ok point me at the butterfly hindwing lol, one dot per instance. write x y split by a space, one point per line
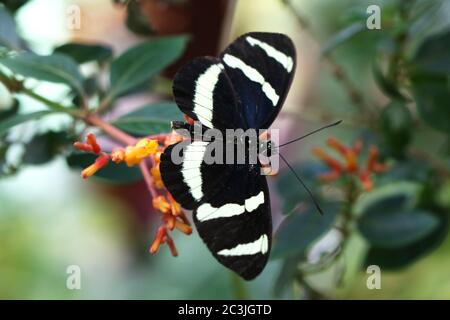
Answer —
236 223
191 180
261 67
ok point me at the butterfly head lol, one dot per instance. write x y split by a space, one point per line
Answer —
267 148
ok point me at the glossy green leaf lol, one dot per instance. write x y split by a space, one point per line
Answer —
55 68
84 52
395 194
10 122
389 217
113 173
137 65
150 119
395 228
433 54
300 229
432 95
396 258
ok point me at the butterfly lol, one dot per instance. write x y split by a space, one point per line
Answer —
244 88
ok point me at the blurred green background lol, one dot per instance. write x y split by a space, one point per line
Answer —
51 219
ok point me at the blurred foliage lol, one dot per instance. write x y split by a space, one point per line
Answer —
150 119
129 73
401 219
404 113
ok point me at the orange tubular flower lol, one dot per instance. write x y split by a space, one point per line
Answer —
90 145
162 236
351 165
161 204
99 163
143 149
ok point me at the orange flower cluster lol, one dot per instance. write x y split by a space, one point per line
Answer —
351 165
172 215
132 155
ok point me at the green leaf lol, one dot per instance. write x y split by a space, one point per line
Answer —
300 229
390 219
395 194
44 147
83 52
433 54
150 119
8 32
343 36
395 229
396 258
113 173
10 122
137 65
56 68
396 125
432 95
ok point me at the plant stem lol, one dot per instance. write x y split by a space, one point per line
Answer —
55 106
17 86
109 129
148 179
104 104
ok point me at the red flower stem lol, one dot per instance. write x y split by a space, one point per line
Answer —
159 137
148 179
112 131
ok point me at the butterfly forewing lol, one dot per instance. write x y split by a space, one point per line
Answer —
261 68
204 92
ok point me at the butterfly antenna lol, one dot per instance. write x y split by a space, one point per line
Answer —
316 203
308 134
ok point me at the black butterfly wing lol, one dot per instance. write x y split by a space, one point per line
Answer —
192 180
236 223
261 67
231 205
203 91
243 89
